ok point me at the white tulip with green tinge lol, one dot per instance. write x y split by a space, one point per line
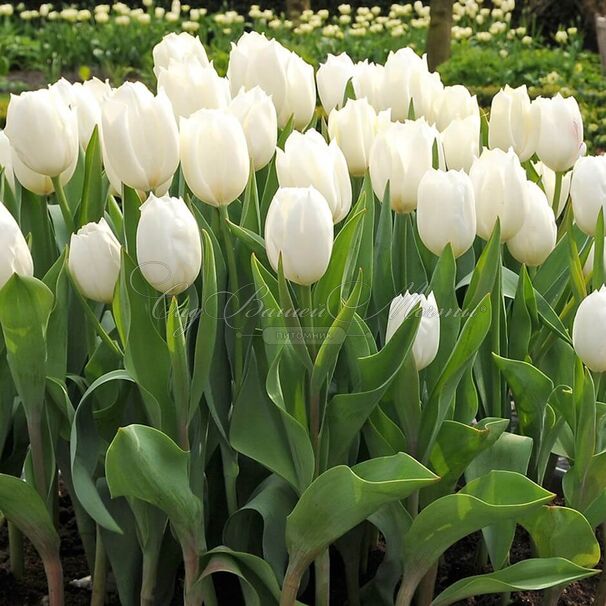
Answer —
588 192
15 257
589 330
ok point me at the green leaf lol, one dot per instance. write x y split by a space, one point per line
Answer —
92 204
529 575
251 240
383 289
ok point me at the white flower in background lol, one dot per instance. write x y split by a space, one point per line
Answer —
499 184
308 160
191 86
169 250
400 156
588 192
257 116
548 180
299 228
454 102
536 239
427 341
94 261
332 78
43 131
15 257
461 142
589 330
369 82
181 47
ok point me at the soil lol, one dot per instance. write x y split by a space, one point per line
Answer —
460 561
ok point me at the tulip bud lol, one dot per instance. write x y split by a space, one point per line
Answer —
588 267
461 141
499 184
425 88
6 160
557 130
589 330
548 179
168 244
454 102
182 47
257 61
588 191
308 160
536 239
401 155
43 131
354 128
140 137
332 78
446 212
426 343
400 67
369 82
299 228
214 156
94 261
257 116
15 257
510 122
191 86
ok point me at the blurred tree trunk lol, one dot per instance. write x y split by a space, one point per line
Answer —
438 35
294 8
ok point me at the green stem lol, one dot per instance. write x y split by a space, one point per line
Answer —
322 569
426 587
557 192
307 320
34 429
552 595
230 476
149 576
15 544
290 586
63 204
100 573
54 579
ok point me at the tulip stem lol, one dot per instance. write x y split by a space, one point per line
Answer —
234 287
99 573
555 203
15 544
63 204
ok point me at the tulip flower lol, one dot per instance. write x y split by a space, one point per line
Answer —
425 88
182 47
308 160
354 128
140 137
257 116
94 261
461 142
510 122
446 212
400 68
548 179
499 184
6 160
588 267
168 244
257 61
191 86
454 102
557 128
589 330
299 228
536 239
332 78
427 340
43 131
400 156
369 82
15 257
588 191
214 156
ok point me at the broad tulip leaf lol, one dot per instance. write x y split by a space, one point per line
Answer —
383 288
253 242
534 574
343 497
251 219
365 260
524 317
588 500
92 204
35 220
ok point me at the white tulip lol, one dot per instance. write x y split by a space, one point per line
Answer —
588 192
425 89
548 179
454 102
43 131
214 156
94 261
100 89
6 160
446 212
15 257
589 330
499 184
400 68
369 82
461 141
558 131
588 267
181 47
139 135
332 78
169 251
299 228
257 61
510 122
427 341
537 237
308 160
257 116
400 156
354 128
191 86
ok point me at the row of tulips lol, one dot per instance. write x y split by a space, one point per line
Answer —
248 337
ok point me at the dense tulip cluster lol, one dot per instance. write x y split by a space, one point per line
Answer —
347 297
